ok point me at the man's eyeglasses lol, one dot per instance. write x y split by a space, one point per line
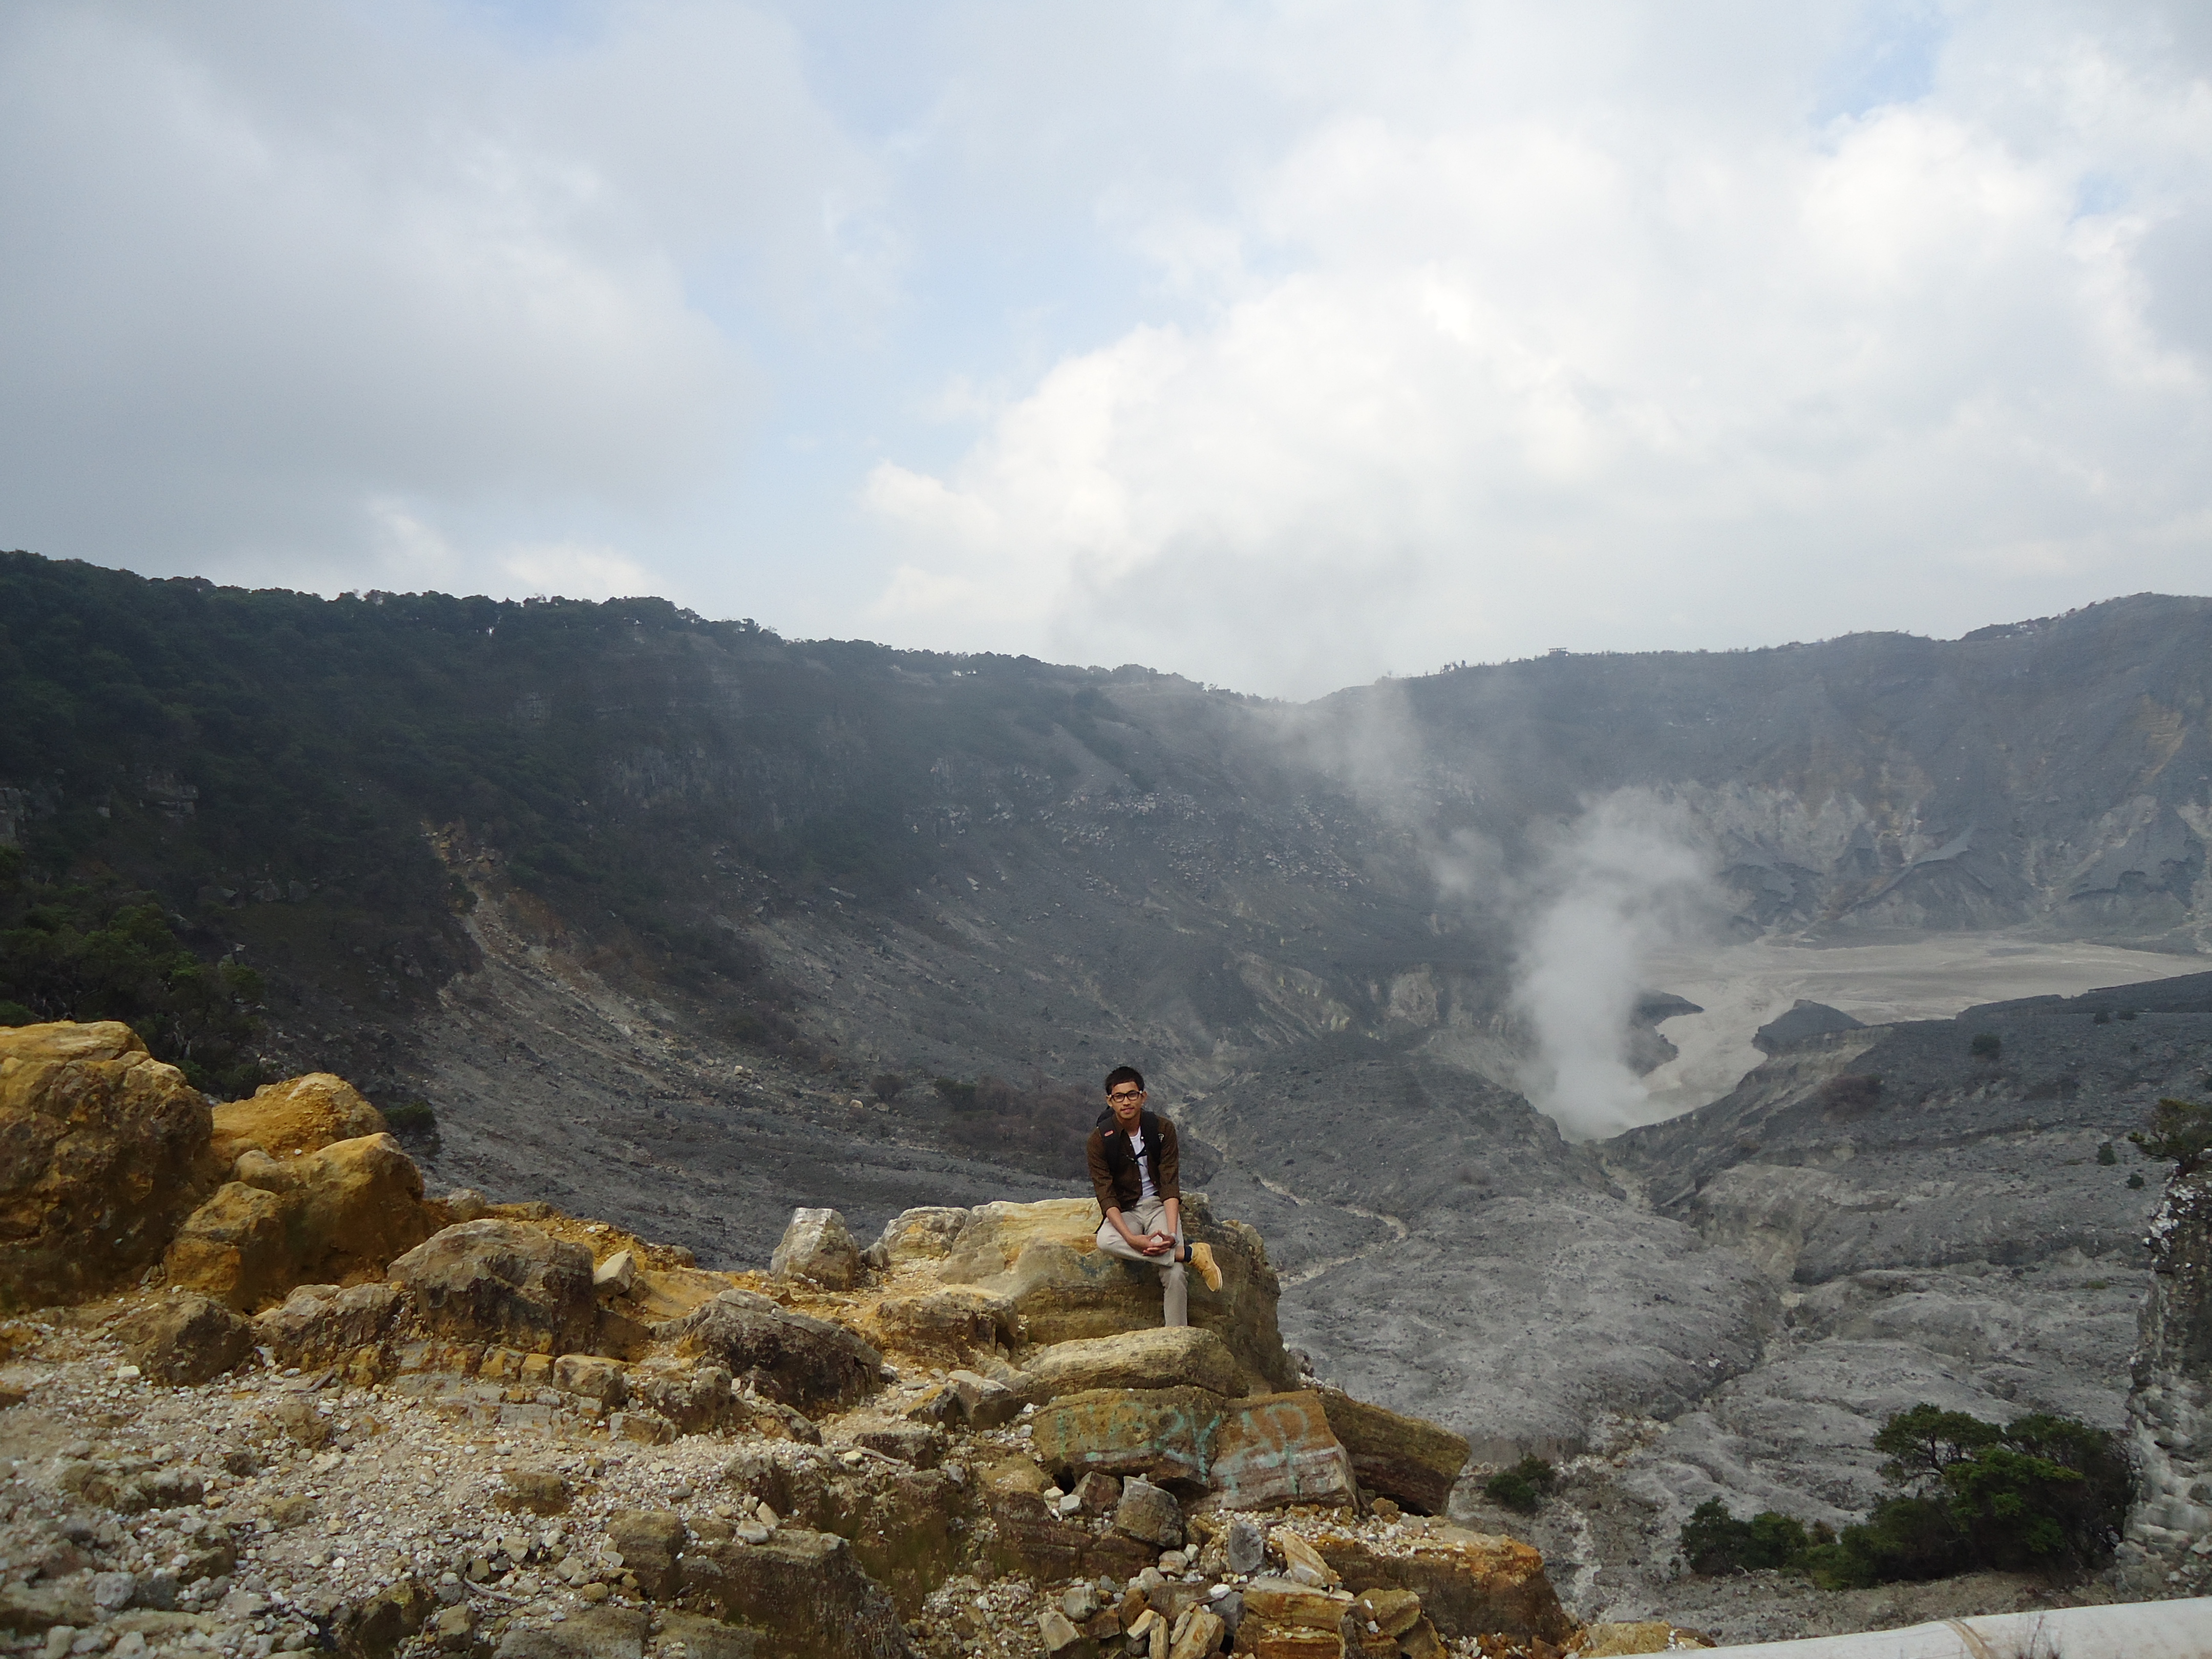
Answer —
1126 1094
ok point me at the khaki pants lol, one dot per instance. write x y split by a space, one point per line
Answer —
1145 1216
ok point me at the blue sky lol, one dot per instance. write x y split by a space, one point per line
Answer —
1280 345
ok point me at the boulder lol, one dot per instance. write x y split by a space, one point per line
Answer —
586 1633
103 1151
1247 1545
1406 1458
1254 1453
1148 1514
592 1377
185 1339
1285 1601
918 1236
686 1636
360 1203
377 1626
237 1247
788 1357
650 1542
504 1281
984 1402
803 1590
939 1324
1044 1259
1277 1448
322 1324
1392 1612
299 1115
1097 1494
1163 1357
340 1211
816 1247
1201 1636
465 1204
615 1275
34 1609
1058 1635
537 1491
1161 1434
1469 1584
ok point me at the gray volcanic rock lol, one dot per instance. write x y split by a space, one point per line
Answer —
1949 1235
1806 1019
1447 1253
2170 1407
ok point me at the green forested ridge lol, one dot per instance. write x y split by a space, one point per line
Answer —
262 768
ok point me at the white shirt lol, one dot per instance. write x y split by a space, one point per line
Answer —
1144 1170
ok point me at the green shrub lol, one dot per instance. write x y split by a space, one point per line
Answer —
2106 1154
1986 1045
413 1117
1714 1541
2135 1181
2042 1491
1523 1486
14 1013
2180 1134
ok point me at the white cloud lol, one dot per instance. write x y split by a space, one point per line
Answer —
1544 344
1280 343
271 266
578 571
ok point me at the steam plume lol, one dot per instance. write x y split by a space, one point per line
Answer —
1626 877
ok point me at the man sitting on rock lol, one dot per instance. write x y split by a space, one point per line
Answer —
1134 1157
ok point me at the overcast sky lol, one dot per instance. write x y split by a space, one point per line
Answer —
1280 345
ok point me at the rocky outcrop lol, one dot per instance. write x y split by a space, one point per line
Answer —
1253 1453
299 1115
504 1280
2170 1406
846 1528
1469 1583
1186 1356
103 1149
340 1211
1404 1458
789 1357
1042 1261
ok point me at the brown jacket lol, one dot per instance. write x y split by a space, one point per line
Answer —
1113 1167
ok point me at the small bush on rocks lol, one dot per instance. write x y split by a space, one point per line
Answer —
1986 1045
1714 1541
2180 1134
1523 1486
2041 1493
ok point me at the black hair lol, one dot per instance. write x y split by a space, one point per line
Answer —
1122 1074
